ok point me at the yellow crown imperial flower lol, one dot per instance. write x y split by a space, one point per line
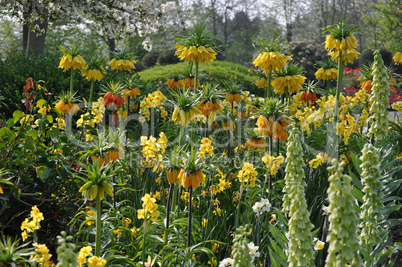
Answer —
397 58
327 74
288 84
341 41
199 54
267 61
93 74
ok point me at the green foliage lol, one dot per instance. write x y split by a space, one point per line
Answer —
12 254
218 71
17 68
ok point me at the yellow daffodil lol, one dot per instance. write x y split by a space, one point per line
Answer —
95 261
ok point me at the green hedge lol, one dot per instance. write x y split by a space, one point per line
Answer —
216 71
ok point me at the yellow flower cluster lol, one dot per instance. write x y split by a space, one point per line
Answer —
83 254
346 127
66 107
263 83
42 255
154 100
95 75
27 119
91 217
327 74
151 147
273 163
223 183
397 106
346 46
95 261
271 61
122 64
199 54
67 62
85 120
29 226
288 84
319 159
59 124
247 174
149 208
206 148
397 58
153 150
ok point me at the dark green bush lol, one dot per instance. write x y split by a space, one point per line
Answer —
367 56
307 55
216 71
150 59
17 68
168 57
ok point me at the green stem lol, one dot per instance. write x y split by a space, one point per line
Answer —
338 93
169 201
196 76
181 134
143 242
190 209
71 82
238 207
91 93
269 90
98 226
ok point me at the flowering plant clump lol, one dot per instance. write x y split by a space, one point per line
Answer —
260 207
71 59
342 42
42 255
149 208
288 80
30 226
248 174
122 61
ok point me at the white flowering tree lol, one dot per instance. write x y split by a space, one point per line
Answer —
114 17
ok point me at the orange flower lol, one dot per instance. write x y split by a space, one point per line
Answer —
131 92
111 100
257 143
309 96
192 179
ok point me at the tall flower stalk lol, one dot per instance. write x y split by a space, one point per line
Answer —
271 59
71 60
342 43
371 215
198 47
342 237
95 187
379 99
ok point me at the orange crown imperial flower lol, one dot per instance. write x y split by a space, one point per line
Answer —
193 179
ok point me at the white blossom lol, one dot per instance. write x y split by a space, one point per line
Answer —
260 207
253 250
228 262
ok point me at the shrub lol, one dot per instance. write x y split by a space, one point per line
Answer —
17 68
217 71
150 59
168 57
307 55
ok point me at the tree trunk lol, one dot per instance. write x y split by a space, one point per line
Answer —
111 42
289 32
25 32
36 43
